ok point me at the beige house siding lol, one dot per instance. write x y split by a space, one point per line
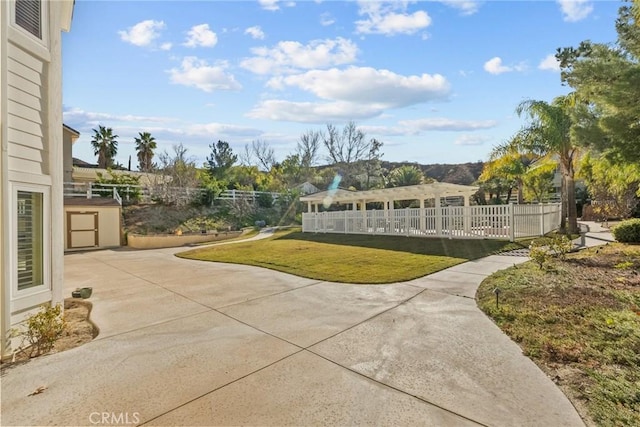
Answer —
27 146
31 157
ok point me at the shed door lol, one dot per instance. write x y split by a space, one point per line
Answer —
82 229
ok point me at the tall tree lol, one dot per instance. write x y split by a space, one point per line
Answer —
308 148
372 165
346 149
105 146
145 146
264 153
614 187
549 134
608 78
221 159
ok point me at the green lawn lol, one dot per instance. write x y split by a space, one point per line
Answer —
579 320
351 258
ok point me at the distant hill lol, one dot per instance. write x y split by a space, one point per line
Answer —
463 173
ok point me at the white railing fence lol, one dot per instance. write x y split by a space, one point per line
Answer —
486 222
148 194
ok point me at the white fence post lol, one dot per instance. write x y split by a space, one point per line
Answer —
406 221
89 191
542 232
512 220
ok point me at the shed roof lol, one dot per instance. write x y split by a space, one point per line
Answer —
409 192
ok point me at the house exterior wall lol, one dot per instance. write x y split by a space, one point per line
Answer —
68 138
31 158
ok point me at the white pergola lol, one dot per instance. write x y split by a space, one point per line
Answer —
387 196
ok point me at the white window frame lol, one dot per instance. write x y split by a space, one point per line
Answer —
32 296
24 36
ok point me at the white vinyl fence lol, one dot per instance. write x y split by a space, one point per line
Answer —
464 222
149 193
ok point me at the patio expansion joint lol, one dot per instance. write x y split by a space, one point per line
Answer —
219 388
307 349
404 392
268 296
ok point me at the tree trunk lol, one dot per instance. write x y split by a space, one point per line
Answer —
520 192
572 209
563 204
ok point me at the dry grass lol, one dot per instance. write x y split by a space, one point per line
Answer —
579 320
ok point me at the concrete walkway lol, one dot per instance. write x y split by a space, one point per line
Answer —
192 343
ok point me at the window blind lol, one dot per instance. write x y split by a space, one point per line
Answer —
30 240
28 15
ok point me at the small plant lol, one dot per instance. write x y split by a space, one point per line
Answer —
560 246
627 231
42 330
539 253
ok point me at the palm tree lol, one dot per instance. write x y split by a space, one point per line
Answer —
145 144
509 164
405 175
549 134
105 146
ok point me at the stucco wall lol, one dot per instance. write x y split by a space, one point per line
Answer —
138 241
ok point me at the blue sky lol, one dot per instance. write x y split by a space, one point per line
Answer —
436 81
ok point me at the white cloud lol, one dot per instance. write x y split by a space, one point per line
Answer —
76 115
201 35
166 46
275 4
466 7
575 10
467 139
217 129
444 124
198 73
368 86
288 56
313 112
143 33
390 18
255 32
549 63
495 66
326 19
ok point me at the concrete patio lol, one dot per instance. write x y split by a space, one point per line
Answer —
192 343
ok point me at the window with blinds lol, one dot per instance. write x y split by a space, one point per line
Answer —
29 15
30 248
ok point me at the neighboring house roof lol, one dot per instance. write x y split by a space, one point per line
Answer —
308 188
83 164
71 130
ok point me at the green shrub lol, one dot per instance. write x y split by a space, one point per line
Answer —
42 330
539 253
127 186
628 231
